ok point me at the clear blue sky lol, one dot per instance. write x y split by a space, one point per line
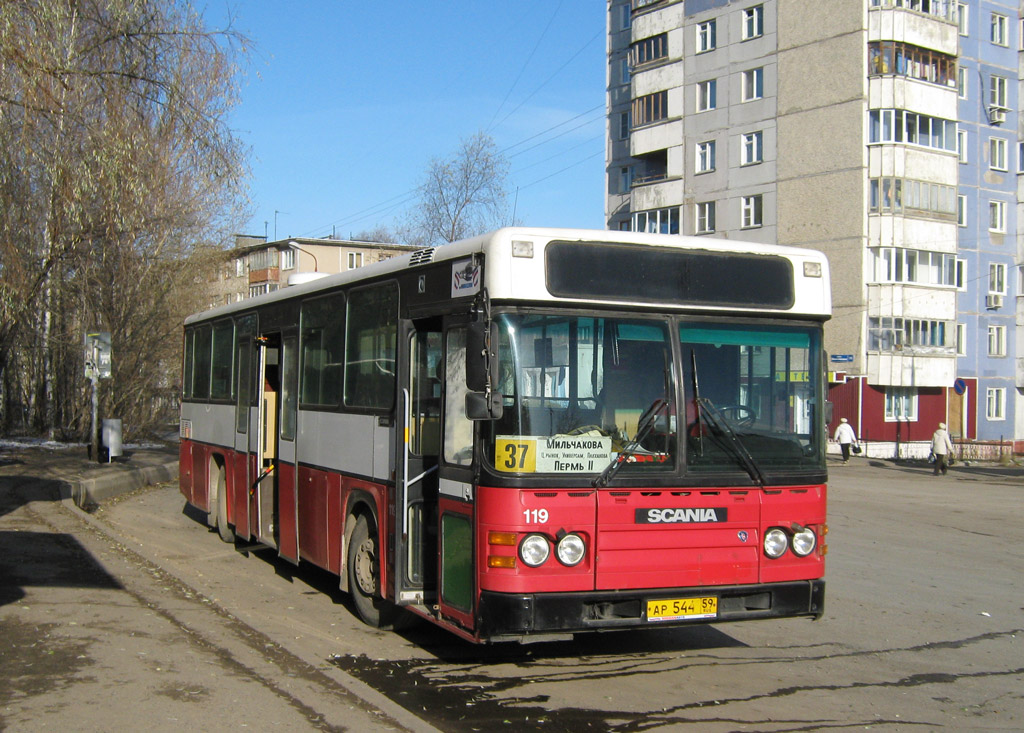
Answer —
345 103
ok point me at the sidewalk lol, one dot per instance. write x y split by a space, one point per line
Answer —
88 482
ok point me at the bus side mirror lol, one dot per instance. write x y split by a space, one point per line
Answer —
483 405
479 358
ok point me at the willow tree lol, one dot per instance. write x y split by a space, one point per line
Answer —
118 177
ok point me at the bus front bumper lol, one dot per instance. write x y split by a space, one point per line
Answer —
517 615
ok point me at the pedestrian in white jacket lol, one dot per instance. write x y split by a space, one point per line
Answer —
846 438
942 447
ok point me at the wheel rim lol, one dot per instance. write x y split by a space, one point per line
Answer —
364 567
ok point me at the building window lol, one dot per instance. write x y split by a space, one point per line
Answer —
751 148
705 217
914 62
921 267
916 198
901 126
995 403
961 18
961 274
355 260
750 211
999 30
961 339
997 216
900 404
997 156
939 8
895 334
753 84
288 259
753 22
961 210
961 145
239 267
1020 157
624 126
649 50
998 92
625 179
996 278
997 340
1020 279
962 82
657 221
707 93
705 157
624 71
650 108
707 36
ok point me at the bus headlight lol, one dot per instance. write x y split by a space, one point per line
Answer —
570 550
775 542
804 542
534 550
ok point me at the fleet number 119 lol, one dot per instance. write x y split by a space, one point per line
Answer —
536 516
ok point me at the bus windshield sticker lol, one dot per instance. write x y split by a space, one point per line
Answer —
551 453
465 278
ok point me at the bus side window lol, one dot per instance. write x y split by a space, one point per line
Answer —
203 357
372 321
323 344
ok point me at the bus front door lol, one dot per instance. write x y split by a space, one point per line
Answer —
418 448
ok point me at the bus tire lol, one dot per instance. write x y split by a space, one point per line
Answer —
364 575
219 504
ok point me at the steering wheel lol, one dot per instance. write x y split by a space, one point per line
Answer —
740 415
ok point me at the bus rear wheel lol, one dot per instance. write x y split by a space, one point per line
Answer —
364 576
219 504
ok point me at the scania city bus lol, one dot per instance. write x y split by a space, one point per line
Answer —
528 434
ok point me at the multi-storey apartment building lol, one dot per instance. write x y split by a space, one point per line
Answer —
847 127
257 266
988 80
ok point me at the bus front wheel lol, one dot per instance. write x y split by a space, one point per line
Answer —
364 575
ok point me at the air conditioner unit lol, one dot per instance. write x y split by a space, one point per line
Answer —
997 114
992 302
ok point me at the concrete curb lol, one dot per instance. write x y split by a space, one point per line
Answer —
89 491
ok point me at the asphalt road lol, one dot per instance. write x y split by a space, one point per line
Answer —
138 611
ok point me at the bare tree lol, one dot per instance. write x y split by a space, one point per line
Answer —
118 174
461 196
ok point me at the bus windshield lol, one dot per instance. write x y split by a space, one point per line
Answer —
575 388
751 397
582 393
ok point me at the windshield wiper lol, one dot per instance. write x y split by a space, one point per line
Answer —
717 420
643 427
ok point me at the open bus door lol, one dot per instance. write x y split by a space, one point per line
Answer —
242 473
417 453
434 557
263 491
456 585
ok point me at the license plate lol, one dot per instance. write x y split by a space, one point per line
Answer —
674 609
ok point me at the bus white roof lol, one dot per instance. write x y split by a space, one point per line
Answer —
509 277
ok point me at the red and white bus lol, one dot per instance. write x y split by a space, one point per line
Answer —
529 434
